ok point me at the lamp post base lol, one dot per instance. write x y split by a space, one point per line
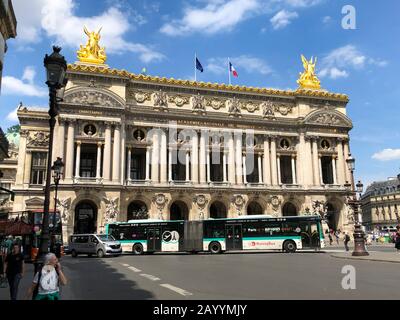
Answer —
359 242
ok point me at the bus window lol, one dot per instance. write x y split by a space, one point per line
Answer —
273 229
214 229
291 228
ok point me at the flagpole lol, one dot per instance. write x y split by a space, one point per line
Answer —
195 69
229 71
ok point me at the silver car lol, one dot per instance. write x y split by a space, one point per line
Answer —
90 244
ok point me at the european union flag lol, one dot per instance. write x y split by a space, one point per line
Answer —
199 66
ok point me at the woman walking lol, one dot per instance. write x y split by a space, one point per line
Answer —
397 241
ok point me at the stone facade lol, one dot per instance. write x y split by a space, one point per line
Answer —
380 205
115 133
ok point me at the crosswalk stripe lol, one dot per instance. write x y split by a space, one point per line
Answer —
150 277
134 269
176 289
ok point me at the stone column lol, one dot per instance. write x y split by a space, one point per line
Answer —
107 153
294 180
260 172
334 169
69 162
301 162
163 158
238 147
78 159
169 165
22 163
116 154
147 178
341 166
61 139
129 164
231 160
98 162
274 168
195 158
278 163
317 177
208 166
346 150
307 165
267 163
27 168
224 167
155 160
122 157
320 170
187 166
244 170
202 158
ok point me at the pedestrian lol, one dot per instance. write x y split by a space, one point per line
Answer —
337 236
9 243
46 283
330 239
346 241
397 241
14 270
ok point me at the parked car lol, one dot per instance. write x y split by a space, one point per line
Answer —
94 244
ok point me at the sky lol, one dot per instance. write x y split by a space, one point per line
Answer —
263 39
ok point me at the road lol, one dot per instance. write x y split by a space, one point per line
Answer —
228 276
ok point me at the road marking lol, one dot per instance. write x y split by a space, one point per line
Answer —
134 269
150 277
176 289
124 264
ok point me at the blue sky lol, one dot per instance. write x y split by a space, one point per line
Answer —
263 38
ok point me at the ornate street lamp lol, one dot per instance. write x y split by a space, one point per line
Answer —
354 202
58 171
56 68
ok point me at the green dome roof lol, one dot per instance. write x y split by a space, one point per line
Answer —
13 138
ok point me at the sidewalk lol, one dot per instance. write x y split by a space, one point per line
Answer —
24 285
373 256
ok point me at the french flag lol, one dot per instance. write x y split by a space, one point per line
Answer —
233 70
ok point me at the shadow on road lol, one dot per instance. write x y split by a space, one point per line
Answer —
95 279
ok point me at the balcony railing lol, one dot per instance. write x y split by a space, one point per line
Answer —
87 180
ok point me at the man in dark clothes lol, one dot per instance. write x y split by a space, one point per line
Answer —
14 269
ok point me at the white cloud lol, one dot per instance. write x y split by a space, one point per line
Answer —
282 19
12 116
338 62
57 19
244 62
215 17
387 155
326 19
24 86
302 3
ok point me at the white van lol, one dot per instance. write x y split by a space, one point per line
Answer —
90 244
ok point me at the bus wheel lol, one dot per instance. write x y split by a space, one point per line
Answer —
289 246
74 254
214 247
100 253
137 249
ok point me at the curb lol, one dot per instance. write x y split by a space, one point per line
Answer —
363 259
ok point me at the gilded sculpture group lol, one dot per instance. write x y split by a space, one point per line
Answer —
94 54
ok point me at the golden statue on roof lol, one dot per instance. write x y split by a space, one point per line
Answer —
308 79
92 52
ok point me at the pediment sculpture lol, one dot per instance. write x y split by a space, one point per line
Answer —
234 107
87 97
198 103
160 99
111 209
38 139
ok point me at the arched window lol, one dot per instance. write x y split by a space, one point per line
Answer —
254 208
137 210
289 209
179 211
218 210
85 217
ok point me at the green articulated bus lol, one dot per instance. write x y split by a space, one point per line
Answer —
286 234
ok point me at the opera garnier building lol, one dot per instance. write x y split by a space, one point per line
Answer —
137 146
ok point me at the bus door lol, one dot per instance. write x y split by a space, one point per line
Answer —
310 235
234 237
153 239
